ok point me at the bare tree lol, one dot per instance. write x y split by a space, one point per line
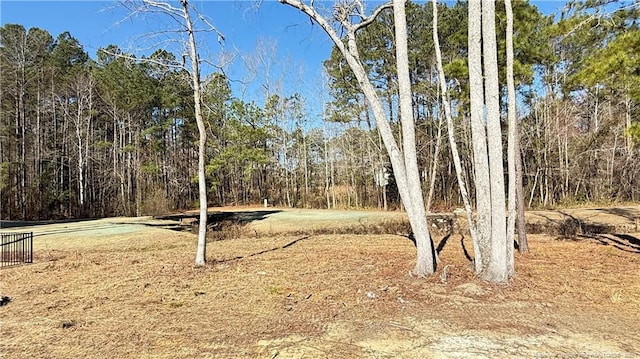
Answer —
182 16
416 201
82 85
201 258
351 16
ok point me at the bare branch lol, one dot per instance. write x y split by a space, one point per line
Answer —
218 66
212 28
163 7
599 15
177 14
322 21
368 20
145 60
149 6
343 11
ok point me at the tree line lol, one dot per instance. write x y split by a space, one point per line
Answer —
576 85
114 135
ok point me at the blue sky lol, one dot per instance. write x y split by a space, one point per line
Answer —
99 23
301 48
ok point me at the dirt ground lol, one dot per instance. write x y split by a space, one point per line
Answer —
293 284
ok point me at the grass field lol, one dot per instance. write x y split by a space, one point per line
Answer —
117 288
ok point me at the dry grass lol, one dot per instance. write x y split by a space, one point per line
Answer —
137 295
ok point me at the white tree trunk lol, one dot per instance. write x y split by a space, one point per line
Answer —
327 178
80 155
479 138
201 252
414 203
497 270
451 131
511 141
521 220
406 186
433 173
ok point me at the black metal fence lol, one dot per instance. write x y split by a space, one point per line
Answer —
16 248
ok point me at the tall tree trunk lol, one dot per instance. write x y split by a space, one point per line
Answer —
202 186
383 176
498 270
451 133
414 203
327 179
433 173
138 174
523 244
333 181
408 188
129 165
38 151
479 138
627 120
306 170
286 170
511 141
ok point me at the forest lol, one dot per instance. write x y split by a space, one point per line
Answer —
115 135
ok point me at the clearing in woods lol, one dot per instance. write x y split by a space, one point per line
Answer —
312 284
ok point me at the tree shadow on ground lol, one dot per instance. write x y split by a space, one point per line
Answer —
569 225
260 252
629 213
242 217
187 221
587 226
442 243
470 258
623 242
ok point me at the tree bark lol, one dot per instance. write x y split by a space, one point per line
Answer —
511 140
201 252
523 243
451 132
479 138
497 270
408 188
433 173
426 262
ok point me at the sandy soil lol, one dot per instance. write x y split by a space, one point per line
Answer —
282 287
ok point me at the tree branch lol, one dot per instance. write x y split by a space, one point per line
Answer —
322 21
212 28
368 20
145 60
